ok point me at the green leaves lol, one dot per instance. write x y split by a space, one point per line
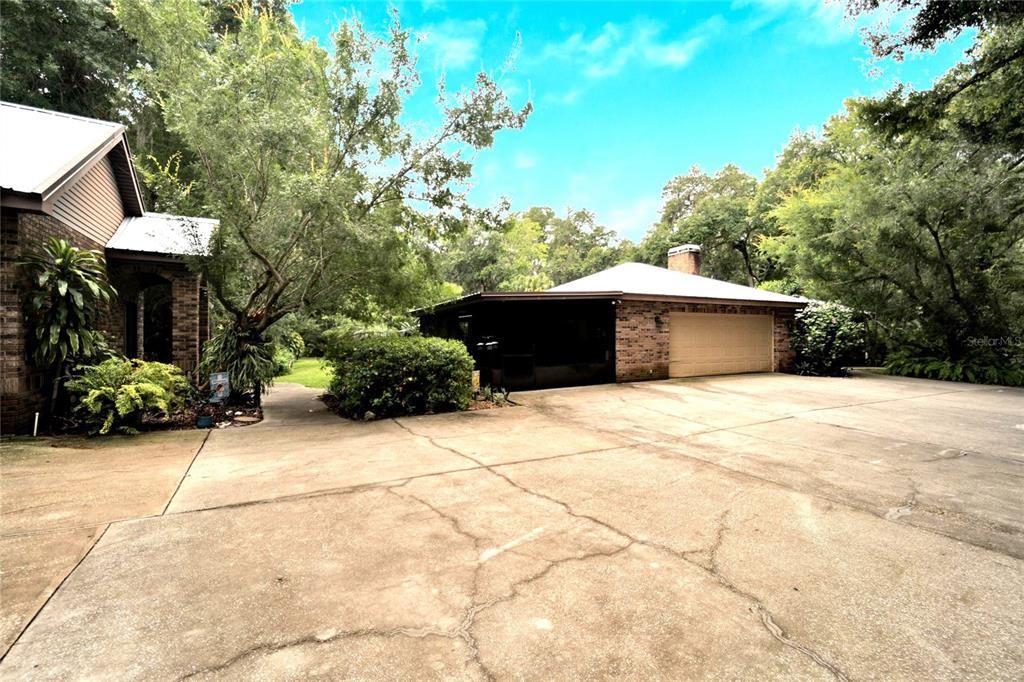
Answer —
825 337
394 375
70 295
322 188
117 393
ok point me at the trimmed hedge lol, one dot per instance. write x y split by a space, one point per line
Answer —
392 376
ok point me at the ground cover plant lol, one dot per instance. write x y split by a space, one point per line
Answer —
117 394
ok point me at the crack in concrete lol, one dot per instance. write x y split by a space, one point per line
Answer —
909 503
273 647
767 620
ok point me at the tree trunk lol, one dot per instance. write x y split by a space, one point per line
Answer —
51 408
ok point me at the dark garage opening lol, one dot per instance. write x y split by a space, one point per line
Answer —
526 344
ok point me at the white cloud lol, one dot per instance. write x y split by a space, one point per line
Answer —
566 97
617 46
455 44
524 160
633 219
815 22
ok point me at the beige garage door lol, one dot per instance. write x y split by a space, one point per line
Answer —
710 343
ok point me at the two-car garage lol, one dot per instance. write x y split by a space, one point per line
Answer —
702 344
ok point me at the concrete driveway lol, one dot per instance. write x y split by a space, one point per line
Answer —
758 526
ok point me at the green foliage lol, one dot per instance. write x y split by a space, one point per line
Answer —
531 252
116 394
982 367
498 396
288 345
283 360
934 21
68 292
249 362
825 334
713 211
926 235
306 157
66 55
391 376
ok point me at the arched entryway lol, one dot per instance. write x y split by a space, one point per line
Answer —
148 318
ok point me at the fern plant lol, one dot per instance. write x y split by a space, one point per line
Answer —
117 394
982 368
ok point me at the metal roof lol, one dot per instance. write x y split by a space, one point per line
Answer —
38 148
640 279
163 233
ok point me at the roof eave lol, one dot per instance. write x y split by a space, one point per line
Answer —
148 256
711 300
21 201
502 296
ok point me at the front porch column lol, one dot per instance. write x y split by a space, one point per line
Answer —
185 321
140 325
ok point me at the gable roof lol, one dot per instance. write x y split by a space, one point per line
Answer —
639 279
43 152
164 234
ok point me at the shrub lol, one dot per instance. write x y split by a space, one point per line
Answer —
284 358
389 376
249 363
980 368
117 393
825 335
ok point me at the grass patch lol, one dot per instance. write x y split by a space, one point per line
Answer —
309 372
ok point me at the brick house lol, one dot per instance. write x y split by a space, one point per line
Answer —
73 178
628 323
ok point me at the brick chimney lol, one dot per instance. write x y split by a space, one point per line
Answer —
685 258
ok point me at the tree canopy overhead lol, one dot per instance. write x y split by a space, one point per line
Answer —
67 55
319 186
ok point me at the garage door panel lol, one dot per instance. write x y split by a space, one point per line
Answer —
703 344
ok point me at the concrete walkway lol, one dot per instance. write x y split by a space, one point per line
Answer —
768 527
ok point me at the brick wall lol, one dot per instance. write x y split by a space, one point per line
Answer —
21 387
785 356
642 335
185 321
189 304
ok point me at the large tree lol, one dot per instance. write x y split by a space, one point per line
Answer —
981 95
303 156
714 212
67 55
926 235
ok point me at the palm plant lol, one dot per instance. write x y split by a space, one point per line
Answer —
68 293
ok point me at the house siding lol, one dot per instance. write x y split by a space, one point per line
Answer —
93 204
642 335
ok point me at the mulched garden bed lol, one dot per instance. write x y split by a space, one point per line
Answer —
230 416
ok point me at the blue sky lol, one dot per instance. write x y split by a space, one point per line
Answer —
629 94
